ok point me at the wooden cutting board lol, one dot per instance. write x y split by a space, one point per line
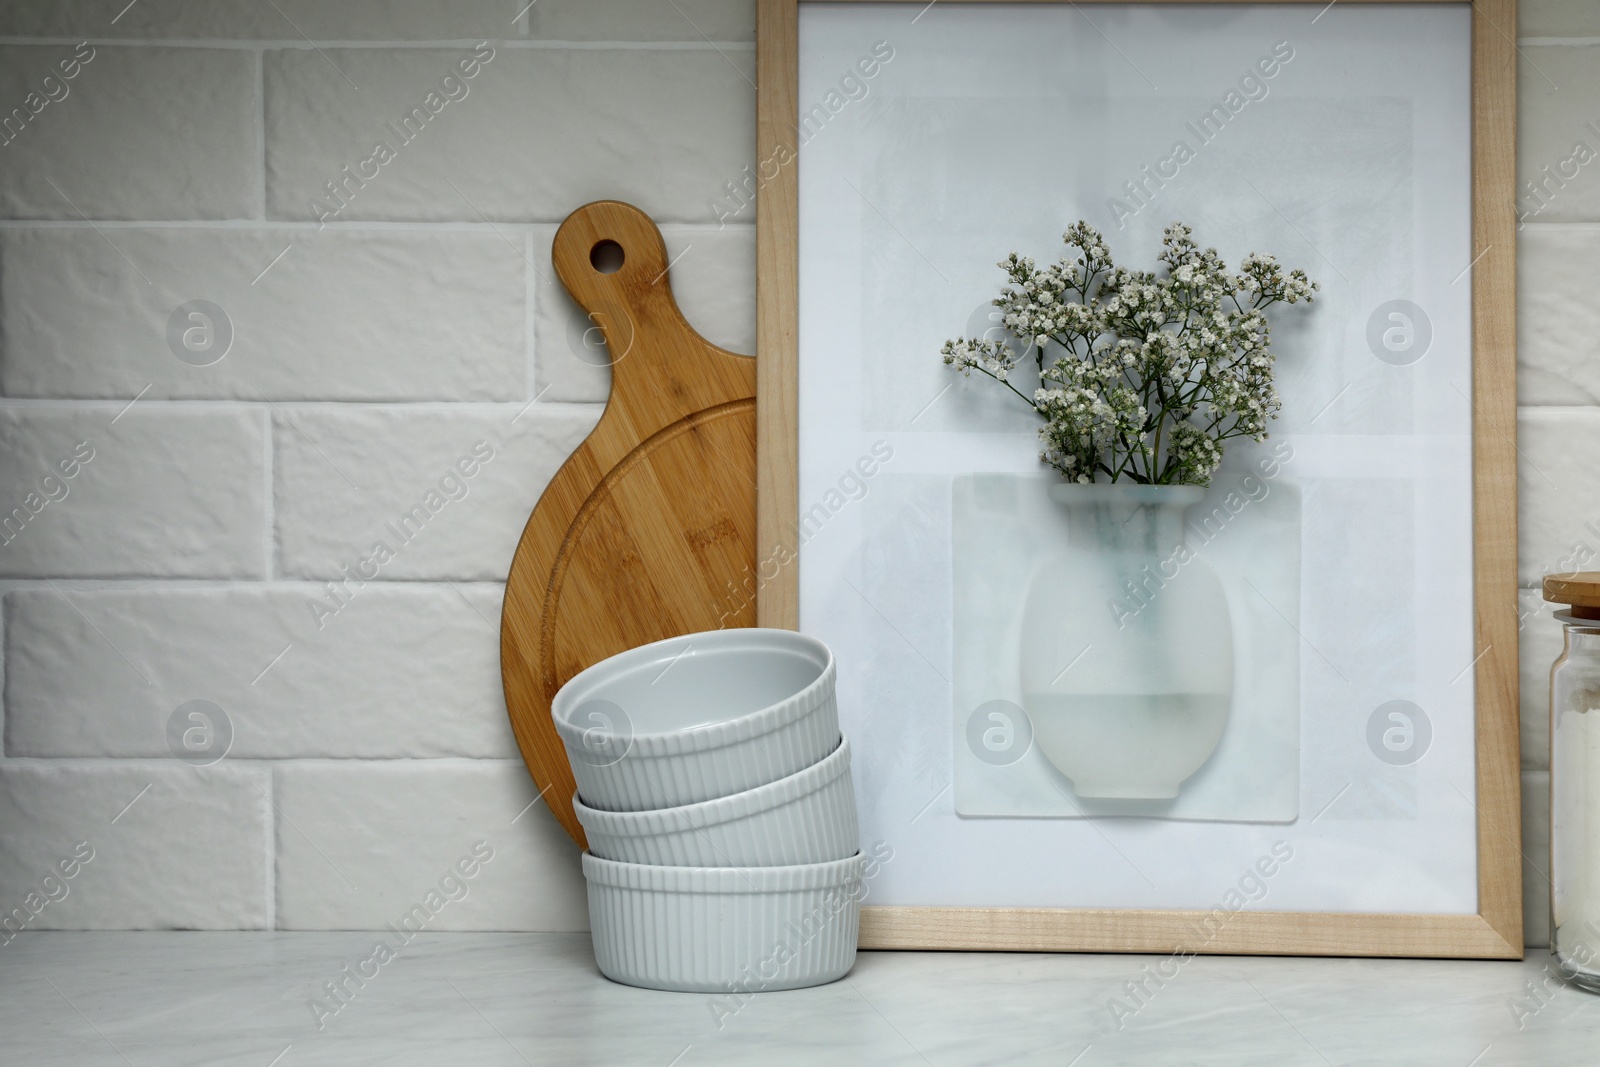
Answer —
649 529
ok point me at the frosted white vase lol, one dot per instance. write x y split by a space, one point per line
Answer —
1127 646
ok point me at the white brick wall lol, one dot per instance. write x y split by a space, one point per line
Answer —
655 128
162 491
173 847
400 670
336 315
329 396
391 20
366 358
445 489
359 845
1559 106
1558 378
140 133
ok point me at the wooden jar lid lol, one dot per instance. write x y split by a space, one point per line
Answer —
1581 590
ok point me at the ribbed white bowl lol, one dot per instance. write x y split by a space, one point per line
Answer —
809 817
697 717
724 930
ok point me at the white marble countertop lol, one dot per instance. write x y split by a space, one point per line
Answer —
488 999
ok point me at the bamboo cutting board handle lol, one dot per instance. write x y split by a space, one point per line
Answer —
648 530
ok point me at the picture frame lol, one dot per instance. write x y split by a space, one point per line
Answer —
1494 930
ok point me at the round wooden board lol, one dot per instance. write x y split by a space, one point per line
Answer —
648 530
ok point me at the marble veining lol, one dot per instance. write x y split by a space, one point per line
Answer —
175 998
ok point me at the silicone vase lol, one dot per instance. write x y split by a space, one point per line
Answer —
1127 647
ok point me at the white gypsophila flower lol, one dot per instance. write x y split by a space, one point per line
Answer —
1149 376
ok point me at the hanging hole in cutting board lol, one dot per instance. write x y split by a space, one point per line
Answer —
607 257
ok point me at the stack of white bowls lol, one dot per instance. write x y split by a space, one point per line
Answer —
714 788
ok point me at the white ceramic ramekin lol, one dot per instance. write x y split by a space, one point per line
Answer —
734 930
697 717
808 817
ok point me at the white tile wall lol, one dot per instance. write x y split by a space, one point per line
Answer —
1558 378
1558 18
1536 857
1560 497
168 846
382 671
659 129
1558 135
445 489
1558 324
245 19
153 491
336 315
360 845
633 20
182 562
387 20
137 133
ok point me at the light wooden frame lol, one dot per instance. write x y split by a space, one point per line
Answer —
1496 931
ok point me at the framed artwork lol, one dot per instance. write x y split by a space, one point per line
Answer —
1227 691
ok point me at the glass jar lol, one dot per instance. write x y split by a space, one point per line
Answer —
1575 782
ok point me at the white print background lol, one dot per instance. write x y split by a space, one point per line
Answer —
993 130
